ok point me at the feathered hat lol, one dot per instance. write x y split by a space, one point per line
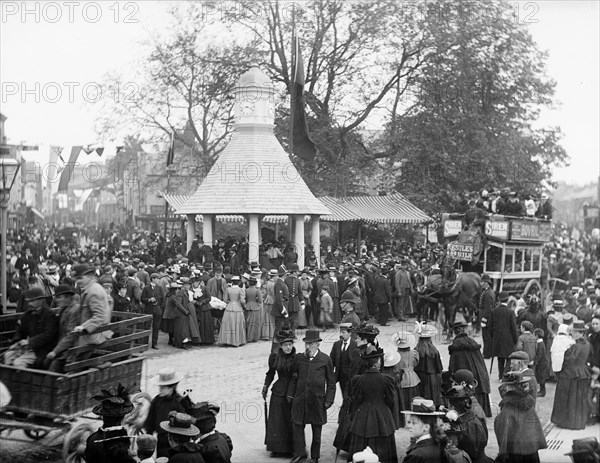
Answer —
113 402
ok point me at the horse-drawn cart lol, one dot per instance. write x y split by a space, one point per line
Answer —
513 254
43 401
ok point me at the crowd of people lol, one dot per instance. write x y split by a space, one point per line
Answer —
67 285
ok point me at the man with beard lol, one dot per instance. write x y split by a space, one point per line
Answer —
465 354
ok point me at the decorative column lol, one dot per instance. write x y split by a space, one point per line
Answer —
253 237
191 230
315 238
299 239
207 229
291 229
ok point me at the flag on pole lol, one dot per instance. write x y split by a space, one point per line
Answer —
171 152
303 146
65 176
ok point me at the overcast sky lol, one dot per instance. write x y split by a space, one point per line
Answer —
53 57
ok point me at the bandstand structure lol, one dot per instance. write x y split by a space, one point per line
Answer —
254 176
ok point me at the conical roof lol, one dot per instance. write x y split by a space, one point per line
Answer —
253 174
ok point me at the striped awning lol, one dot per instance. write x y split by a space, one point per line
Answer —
177 201
373 209
392 209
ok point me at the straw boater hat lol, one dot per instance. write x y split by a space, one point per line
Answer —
346 326
273 272
180 423
423 407
579 325
168 377
391 358
426 331
404 339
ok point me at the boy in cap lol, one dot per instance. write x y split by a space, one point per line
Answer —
146 445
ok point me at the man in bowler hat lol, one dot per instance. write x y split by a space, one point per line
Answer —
312 393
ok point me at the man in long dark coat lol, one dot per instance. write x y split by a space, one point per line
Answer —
382 296
279 310
465 354
503 327
313 393
487 302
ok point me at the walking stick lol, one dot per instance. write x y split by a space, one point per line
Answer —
491 365
266 417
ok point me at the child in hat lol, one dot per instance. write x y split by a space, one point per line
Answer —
409 359
146 445
180 432
214 445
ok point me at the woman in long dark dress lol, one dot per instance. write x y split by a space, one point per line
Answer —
373 394
279 438
204 314
571 407
429 367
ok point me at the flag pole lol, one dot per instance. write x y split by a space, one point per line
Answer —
293 79
169 161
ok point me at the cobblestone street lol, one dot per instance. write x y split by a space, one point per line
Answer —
233 378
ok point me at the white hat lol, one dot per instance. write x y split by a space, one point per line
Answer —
391 358
366 456
168 377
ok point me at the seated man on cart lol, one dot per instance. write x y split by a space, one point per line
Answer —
36 333
95 309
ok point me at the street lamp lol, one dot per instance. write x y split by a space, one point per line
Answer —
9 168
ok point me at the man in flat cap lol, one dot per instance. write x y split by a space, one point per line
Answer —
36 333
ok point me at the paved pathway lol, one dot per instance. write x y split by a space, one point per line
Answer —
233 378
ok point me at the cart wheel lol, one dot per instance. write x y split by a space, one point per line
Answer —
36 434
533 288
75 442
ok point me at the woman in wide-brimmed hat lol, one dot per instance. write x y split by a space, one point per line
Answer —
429 367
166 401
373 395
181 430
409 359
392 368
422 423
279 439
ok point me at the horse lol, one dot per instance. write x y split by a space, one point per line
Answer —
455 291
